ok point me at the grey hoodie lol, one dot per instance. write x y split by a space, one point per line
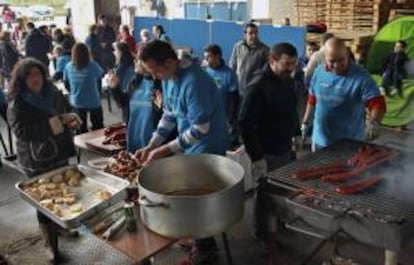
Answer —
245 60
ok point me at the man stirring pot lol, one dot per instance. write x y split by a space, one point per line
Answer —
191 104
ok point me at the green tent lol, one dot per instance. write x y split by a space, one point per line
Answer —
399 111
398 29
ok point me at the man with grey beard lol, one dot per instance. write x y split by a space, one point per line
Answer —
248 56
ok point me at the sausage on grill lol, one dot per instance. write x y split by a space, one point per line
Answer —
358 186
341 176
367 155
380 154
316 172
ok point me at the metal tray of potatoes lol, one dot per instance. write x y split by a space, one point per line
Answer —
92 182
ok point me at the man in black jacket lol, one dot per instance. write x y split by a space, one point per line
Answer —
37 45
268 118
107 37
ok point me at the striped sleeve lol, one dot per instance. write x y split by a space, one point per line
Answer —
190 137
165 127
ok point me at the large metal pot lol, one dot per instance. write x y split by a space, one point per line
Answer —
191 195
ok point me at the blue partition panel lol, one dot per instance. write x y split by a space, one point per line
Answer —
198 33
192 33
294 35
226 34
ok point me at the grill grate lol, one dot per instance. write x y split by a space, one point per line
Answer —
382 198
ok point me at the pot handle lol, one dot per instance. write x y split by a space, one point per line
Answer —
143 201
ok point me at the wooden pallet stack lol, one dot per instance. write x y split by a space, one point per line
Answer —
358 43
353 15
310 11
345 15
395 13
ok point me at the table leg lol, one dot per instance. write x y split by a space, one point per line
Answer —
227 249
109 99
53 238
10 140
78 155
6 152
391 257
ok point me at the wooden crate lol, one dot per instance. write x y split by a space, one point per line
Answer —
394 13
344 15
356 15
310 10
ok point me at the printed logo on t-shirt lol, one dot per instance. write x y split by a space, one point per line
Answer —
218 82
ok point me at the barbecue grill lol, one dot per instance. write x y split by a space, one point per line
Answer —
380 216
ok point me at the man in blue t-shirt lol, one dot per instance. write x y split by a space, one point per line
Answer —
339 93
192 104
226 80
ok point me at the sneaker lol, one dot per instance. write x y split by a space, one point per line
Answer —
382 90
394 92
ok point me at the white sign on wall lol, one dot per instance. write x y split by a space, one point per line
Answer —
260 8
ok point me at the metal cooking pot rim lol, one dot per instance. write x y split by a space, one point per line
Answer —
152 193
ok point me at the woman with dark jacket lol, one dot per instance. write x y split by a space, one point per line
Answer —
8 54
40 120
124 71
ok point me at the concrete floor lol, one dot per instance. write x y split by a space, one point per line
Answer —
20 240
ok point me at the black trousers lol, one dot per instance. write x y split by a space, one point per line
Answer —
95 115
3 112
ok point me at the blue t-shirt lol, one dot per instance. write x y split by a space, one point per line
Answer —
141 116
164 37
61 63
125 74
225 79
193 103
84 91
340 104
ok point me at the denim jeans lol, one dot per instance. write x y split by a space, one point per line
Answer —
392 78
